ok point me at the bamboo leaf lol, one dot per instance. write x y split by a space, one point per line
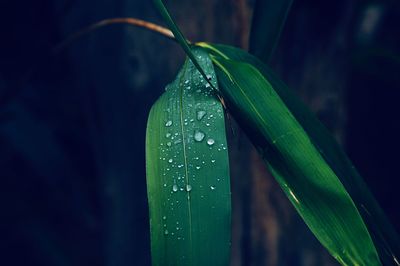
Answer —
384 235
268 20
179 36
188 172
304 175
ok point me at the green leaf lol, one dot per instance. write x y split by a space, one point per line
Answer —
384 235
268 20
179 37
302 172
188 172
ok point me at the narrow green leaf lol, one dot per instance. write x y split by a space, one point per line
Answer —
188 172
179 36
268 20
384 235
306 178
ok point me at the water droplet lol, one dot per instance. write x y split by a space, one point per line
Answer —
168 135
201 114
210 142
213 161
174 188
169 123
209 77
198 167
188 188
208 85
166 232
186 81
212 187
164 217
169 144
170 160
198 135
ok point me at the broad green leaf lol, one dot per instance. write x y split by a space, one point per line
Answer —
304 175
268 20
384 235
188 172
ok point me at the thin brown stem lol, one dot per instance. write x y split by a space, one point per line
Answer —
130 21
11 93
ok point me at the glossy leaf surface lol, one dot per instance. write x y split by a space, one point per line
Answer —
188 172
384 235
302 172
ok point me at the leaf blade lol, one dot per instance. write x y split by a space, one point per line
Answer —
179 36
309 182
188 173
383 233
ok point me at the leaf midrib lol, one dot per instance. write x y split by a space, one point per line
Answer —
181 88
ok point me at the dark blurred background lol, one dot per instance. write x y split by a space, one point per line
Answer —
72 125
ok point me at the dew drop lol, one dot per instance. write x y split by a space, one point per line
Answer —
213 161
169 144
201 114
188 188
210 142
166 232
208 85
198 167
168 135
174 188
212 187
169 123
164 217
198 135
170 160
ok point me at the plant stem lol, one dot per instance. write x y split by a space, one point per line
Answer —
10 94
130 21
